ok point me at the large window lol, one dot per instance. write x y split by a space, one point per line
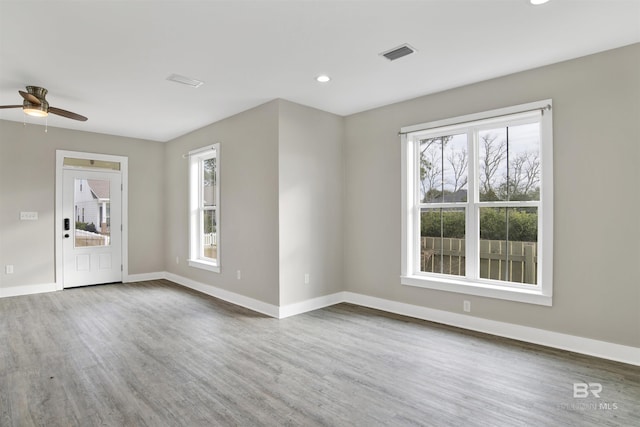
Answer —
477 204
204 208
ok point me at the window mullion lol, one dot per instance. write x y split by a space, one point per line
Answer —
200 232
472 234
201 208
417 235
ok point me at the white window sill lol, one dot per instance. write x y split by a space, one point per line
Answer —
530 296
205 265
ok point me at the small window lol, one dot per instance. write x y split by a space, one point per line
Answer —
477 204
91 164
204 207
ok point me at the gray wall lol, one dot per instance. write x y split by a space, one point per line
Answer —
284 164
27 183
248 203
596 114
281 202
310 198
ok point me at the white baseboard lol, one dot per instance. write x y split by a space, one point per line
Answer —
254 304
144 276
310 305
223 294
14 291
591 347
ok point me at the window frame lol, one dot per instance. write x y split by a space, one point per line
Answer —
197 207
471 283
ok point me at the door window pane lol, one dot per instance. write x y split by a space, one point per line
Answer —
92 200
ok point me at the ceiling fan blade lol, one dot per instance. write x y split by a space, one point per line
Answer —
10 106
32 99
67 114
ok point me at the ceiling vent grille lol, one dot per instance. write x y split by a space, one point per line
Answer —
398 52
177 78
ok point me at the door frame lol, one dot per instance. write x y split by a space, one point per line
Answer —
58 217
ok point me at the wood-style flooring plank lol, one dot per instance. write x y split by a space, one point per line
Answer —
156 354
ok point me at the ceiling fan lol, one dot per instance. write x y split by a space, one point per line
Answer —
36 105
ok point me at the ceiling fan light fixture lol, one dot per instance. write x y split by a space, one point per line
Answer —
35 111
36 105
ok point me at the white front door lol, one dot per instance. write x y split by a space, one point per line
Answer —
92 227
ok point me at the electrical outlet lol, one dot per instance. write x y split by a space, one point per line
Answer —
8 269
28 216
238 274
466 306
177 260
306 278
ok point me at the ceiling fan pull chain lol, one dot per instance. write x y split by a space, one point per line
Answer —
46 124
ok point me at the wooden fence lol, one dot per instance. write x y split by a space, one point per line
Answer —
499 260
210 239
210 243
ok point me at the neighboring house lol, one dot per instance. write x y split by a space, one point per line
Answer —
457 197
92 203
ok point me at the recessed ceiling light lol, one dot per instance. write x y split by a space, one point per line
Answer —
323 78
538 2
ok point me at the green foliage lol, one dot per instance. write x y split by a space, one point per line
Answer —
209 222
452 223
91 227
523 224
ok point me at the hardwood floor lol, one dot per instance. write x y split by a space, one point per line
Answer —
156 354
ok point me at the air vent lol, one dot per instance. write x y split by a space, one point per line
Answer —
398 52
185 80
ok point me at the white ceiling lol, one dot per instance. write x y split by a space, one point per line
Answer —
109 60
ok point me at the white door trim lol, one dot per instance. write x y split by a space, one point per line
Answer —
124 169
